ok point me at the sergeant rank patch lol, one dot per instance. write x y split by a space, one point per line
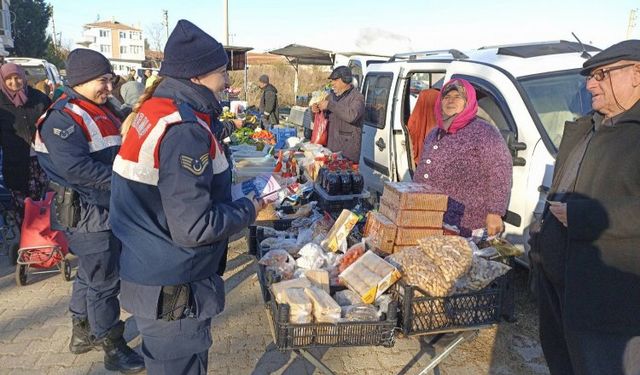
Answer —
195 165
64 133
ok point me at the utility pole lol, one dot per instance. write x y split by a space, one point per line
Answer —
633 16
225 12
165 22
53 26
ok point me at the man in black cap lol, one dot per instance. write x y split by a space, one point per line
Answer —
589 242
268 102
171 205
77 140
345 110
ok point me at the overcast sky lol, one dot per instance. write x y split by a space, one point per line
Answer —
368 25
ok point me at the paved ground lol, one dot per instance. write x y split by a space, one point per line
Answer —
35 328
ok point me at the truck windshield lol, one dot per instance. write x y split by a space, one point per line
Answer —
557 98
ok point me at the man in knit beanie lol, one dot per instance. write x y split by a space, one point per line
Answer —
76 143
174 212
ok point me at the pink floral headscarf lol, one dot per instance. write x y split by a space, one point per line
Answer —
18 98
470 110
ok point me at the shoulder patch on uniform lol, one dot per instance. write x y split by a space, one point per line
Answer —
195 165
64 133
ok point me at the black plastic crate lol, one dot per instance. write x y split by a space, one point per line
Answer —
421 314
288 336
336 203
252 240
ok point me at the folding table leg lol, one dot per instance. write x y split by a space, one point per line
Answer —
447 349
314 361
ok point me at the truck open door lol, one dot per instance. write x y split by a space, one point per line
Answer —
377 156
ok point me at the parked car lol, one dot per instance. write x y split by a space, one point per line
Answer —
526 91
38 70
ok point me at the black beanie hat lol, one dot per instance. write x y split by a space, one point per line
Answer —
190 52
84 64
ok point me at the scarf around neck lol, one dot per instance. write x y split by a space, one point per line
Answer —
463 118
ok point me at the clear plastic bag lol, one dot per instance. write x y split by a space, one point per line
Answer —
347 298
361 312
280 262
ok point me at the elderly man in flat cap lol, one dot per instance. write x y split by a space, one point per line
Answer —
589 243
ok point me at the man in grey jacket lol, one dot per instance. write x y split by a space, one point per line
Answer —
345 110
268 102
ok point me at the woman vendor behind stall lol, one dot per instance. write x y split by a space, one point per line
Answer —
466 158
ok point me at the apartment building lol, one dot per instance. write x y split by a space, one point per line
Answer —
123 45
6 38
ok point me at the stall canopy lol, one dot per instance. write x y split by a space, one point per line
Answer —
238 61
298 55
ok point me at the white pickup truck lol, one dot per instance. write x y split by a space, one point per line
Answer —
527 91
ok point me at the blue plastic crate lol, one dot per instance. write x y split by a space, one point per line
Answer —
282 134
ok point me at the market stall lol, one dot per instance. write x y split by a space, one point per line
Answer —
298 55
335 273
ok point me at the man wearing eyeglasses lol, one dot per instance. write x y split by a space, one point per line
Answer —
589 243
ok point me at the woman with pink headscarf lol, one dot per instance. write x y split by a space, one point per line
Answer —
466 158
20 107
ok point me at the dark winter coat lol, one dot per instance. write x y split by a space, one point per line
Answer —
597 256
346 114
17 127
269 104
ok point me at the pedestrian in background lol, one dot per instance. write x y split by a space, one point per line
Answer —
268 102
20 108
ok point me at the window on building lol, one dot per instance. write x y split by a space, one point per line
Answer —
123 49
105 48
123 35
104 33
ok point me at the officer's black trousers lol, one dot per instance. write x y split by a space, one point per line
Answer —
97 284
571 352
175 347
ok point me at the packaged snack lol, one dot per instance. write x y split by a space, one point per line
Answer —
380 232
300 305
414 196
369 276
411 218
340 230
325 309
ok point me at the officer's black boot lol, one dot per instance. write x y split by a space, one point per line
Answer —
118 356
81 340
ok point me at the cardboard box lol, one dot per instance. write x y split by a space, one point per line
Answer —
380 232
410 236
414 196
411 218
370 276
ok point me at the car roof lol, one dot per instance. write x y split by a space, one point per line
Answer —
26 61
519 60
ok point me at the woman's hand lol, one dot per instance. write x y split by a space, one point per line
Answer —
559 210
315 108
494 224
